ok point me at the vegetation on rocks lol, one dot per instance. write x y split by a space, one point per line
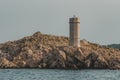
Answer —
48 51
117 46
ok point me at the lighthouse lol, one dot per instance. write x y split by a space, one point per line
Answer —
74 33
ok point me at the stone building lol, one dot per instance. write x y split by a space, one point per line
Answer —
74 33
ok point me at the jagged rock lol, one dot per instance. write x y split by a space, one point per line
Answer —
101 63
37 34
44 65
55 59
79 55
90 61
28 58
4 63
69 59
62 54
87 64
49 51
84 42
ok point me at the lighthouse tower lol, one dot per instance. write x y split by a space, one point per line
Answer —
74 31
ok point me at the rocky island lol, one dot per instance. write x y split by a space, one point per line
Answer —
49 51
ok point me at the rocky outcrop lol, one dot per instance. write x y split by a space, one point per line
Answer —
46 51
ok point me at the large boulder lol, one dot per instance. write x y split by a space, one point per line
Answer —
28 58
101 63
4 63
78 54
90 60
55 59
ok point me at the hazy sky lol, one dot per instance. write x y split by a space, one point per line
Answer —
100 19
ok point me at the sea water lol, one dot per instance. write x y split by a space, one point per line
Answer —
58 74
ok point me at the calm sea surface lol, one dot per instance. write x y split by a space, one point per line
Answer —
55 74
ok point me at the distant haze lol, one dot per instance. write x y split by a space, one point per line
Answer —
100 19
